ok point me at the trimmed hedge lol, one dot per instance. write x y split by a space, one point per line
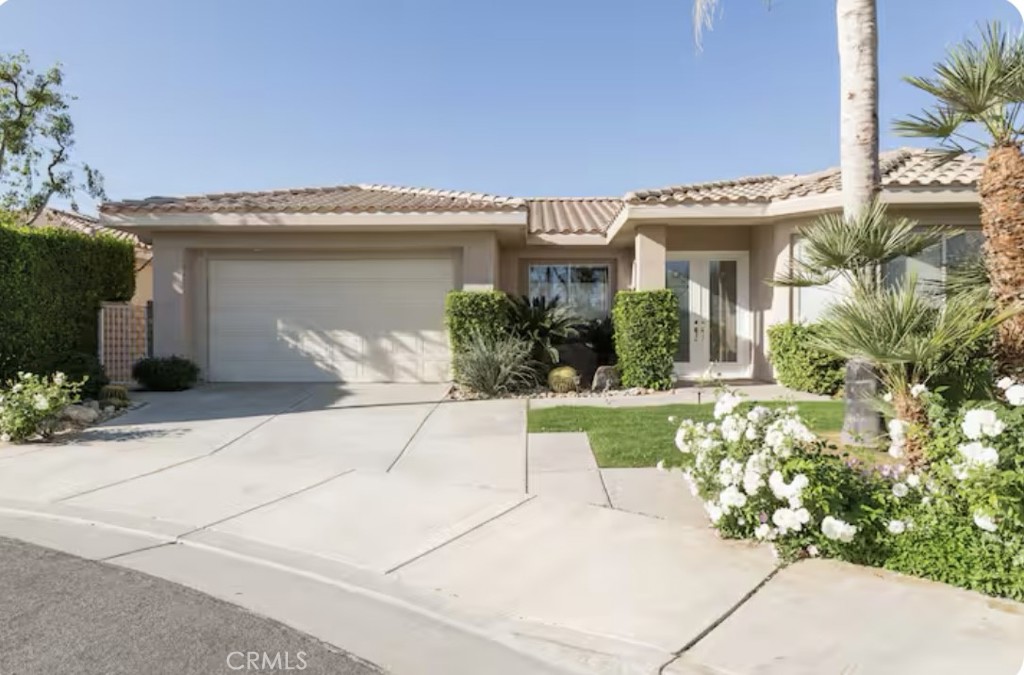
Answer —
646 337
483 312
799 364
166 373
52 282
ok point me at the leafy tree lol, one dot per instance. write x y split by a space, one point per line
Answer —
979 107
37 140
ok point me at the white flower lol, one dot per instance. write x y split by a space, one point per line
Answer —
39 402
913 480
691 483
730 472
660 466
900 490
837 529
785 491
896 450
1015 395
918 390
982 422
733 428
752 481
757 414
5 438
897 430
813 551
732 497
1005 383
887 397
985 521
672 419
788 520
58 378
764 531
897 527
714 511
726 403
683 439
978 455
750 434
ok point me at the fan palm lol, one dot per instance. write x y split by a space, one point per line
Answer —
856 250
906 336
979 101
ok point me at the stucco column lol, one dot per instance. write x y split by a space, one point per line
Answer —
170 321
480 263
649 245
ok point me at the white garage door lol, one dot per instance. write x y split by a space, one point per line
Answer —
328 320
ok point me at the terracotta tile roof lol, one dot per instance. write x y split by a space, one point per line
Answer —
339 199
80 222
903 168
573 215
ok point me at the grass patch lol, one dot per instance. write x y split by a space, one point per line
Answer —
630 437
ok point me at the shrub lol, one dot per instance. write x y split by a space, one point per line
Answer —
563 379
800 364
474 312
545 325
494 366
31 405
52 282
599 335
166 373
79 366
646 337
956 517
115 395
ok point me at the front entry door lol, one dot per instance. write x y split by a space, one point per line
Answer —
712 290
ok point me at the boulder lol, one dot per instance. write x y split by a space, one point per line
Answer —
606 377
80 414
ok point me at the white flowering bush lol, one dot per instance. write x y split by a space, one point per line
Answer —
30 405
762 474
955 516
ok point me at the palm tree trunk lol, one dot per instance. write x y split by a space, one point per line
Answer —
1002 222
857 23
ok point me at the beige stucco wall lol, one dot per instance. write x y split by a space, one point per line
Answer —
143 281
515 261
180 263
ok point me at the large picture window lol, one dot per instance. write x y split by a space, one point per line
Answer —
584 288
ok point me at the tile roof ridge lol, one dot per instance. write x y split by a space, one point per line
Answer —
436 192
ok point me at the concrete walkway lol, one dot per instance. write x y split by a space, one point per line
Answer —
429 536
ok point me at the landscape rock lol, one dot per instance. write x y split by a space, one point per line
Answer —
606 377
80 414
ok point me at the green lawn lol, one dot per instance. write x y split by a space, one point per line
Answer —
625 437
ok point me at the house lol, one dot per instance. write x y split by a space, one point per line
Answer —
79 222
349 282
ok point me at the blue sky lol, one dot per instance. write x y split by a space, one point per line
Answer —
531 97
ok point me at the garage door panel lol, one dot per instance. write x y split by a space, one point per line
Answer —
351 320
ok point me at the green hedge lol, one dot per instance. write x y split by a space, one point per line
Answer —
801 366
646 337
52 282
466 312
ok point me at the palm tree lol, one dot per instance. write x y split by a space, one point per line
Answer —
979 95
857 24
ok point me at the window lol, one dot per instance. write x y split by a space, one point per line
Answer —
929 267
584 288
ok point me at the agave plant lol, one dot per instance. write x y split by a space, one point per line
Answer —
544 323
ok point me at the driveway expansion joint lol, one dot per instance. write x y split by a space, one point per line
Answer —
415 433
678 654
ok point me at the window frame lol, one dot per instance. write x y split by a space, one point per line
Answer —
608 265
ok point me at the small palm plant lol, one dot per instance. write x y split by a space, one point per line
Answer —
907 336
979 107
546 324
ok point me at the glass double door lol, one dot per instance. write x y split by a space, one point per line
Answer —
712 290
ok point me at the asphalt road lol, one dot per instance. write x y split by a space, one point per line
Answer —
61 614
